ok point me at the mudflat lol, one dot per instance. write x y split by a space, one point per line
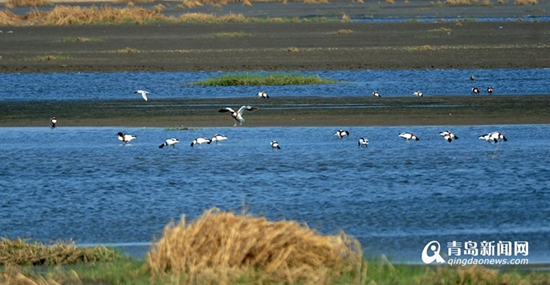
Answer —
287 46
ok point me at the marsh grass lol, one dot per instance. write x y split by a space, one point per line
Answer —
263 80
21 3
23 252
344 31
80 40
229 35
526 2
48 58
128 50
460 2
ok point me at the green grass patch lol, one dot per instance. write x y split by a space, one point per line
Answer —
263 80
231 35
48 58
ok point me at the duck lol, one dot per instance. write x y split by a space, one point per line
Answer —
448 136
408 136
472 77
275 145
217 138
490 90
363 142
169 142
53 122
143 94
341 133
375 93
475 90
263 95
126 138
200 141
238 115
418 93
493 137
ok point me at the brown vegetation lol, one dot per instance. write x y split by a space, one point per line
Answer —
526 2
224 246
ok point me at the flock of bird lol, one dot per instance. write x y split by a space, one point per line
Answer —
237 115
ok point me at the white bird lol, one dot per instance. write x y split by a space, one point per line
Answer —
143 94
275 145
408 136
493 137
375 94
200 141
53 121
263 94
341 133
238 115
217 138
170 142
363 142
448 136
126 138
418 93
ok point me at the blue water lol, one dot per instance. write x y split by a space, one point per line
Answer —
176 85
394 196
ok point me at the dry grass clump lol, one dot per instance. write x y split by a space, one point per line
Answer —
315 1
460 2
344 31
21 252
19 3
526 2
225 246
208 18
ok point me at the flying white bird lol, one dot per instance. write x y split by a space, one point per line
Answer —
143 94
448 136
409 136
263 94
363 142
126 138
341 133
170 142
218 138
275 145
238 115
200 141
493 137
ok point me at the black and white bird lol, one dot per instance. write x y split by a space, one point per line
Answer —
143 94
200 141
494 137
263 95
448 136
363 142
218 138
238 115
275 145
375 93
126 138
418 93
475 90
170 142
490 90
341 133
408 136
53 122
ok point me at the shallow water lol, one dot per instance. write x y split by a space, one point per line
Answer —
176 85
394 196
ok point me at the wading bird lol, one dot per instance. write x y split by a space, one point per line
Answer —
490 90
53 122
408 136
238 115
126 138
494 137
363 142
375 94
218 138
448 136
170 142
275 145
418 93
263 95
200 141
341 133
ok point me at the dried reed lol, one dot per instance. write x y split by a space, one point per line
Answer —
526 2
19 3
460 2
225 246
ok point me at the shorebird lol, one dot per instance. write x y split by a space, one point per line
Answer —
472 77
448 136
53 121
490 90
238 115
170 142
341 133
375 94
218 138
275 145
418 93
493 137
363 142
408 136
475 90
200 141
143 94
126 138
262 94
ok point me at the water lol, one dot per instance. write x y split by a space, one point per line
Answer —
176 85
394 196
